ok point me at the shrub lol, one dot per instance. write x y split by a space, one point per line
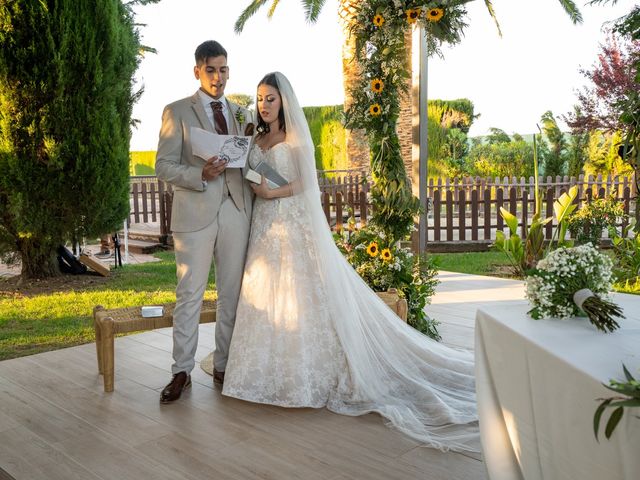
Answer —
383 266
587 223
66 78
513 159
626 250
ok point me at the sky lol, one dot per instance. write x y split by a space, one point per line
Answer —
512 80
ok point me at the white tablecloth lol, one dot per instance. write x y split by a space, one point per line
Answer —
537 384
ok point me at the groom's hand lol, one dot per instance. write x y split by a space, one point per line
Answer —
213 168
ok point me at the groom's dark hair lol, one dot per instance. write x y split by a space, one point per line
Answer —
207 49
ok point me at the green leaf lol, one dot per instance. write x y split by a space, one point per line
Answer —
564 205
614 419
247 13
535 313
627 373
624 390
572 10
511 220
626 403
515 244
312 9
598 415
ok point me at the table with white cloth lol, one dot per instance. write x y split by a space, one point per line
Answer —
538 383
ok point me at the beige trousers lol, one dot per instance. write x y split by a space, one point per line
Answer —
225 240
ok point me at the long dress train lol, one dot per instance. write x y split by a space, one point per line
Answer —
310 333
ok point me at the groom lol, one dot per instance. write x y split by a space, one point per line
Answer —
210 215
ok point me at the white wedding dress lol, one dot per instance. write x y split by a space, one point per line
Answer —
310 333
284 350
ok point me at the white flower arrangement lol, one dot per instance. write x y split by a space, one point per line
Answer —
572 282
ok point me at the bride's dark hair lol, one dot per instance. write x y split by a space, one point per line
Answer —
263 127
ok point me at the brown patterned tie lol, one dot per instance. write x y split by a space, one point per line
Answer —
232 176
218 118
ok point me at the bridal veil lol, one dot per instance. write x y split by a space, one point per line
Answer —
423 388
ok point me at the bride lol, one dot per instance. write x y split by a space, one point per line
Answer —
309 332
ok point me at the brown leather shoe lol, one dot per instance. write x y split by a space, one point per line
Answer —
218 377
179 383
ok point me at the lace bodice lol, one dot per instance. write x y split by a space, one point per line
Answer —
278 157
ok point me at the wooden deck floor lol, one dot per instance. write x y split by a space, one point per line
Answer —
56 422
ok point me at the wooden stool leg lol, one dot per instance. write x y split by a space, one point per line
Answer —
402 309
96 327
107 353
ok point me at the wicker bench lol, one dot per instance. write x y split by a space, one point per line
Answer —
108 323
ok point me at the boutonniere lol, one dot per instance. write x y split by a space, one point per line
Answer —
240 116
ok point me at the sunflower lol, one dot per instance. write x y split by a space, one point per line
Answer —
385 254
377 85
412 15
378 20
375 110
435 14
373 249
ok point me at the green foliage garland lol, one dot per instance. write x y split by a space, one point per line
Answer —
379 28
385 265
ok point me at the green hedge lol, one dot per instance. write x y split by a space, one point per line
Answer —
328 136
142 163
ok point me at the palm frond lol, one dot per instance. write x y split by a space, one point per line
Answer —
248 12
140 2
312 9
272 8
572 10
492 12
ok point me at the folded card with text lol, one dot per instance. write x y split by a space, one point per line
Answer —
232 148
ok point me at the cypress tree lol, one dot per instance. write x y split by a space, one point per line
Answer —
66 73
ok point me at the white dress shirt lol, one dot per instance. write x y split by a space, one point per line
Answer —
206 103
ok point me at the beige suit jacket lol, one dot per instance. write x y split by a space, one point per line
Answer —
194 206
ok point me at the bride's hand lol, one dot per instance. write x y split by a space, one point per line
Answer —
262 190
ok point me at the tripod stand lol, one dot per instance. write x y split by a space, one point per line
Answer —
117 256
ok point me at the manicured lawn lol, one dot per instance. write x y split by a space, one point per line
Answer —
32 321
477 263
496 264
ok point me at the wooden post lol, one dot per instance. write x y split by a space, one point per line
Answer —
419 151
487 213
474 214
462 213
